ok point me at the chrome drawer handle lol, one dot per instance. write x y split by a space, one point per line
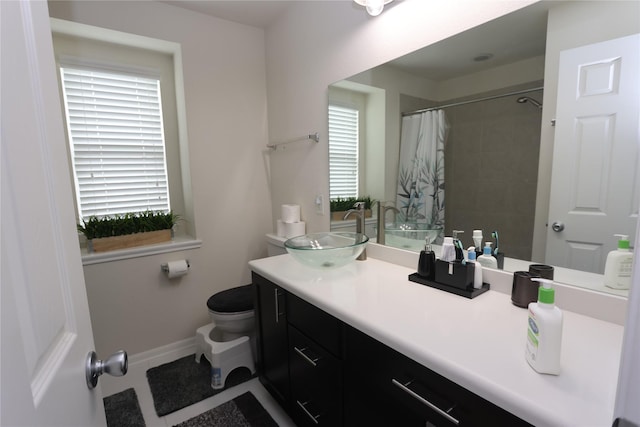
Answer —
305 357
424 401
276 295
313 418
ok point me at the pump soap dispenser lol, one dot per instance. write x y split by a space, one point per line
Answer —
617 269
427 263
544 333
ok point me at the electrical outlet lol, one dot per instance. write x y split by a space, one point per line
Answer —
320 204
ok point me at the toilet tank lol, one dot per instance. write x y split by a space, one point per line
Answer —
275 245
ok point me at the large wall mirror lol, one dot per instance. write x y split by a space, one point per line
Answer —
507 107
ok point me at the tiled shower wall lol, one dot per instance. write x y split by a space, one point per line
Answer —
491 169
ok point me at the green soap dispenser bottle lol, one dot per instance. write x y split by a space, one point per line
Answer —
544 332
617 269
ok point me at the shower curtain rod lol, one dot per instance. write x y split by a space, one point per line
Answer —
471 101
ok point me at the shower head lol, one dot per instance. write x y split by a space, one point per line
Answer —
524 99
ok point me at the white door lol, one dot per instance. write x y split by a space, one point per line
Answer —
594 190
46 330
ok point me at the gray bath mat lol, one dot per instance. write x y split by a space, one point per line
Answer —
243 411
183 382
123 410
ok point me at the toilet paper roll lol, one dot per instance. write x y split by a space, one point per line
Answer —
177 268
290 213
293 229
280 231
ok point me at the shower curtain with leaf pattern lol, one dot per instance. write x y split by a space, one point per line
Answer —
420 194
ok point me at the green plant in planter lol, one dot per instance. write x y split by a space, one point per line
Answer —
129 223
340 204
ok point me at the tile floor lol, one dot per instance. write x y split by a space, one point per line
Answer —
136 377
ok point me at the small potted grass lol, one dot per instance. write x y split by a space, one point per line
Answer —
128 230
340 205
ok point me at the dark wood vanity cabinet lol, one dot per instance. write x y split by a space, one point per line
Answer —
384 387
272 339
326 373
299 355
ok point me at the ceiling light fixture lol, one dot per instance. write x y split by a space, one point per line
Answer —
374 7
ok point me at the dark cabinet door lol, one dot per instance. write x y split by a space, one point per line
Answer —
271 324
316 383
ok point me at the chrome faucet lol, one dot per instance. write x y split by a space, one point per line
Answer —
382 212
359 212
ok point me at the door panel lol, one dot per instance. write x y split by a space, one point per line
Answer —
594 190
46 329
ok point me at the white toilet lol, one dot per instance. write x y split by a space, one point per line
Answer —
228 342
275 245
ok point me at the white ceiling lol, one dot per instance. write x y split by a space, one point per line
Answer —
257 13
513 37
519 35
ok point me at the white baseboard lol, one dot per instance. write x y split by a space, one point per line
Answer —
167 352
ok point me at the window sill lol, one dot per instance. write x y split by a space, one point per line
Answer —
181 243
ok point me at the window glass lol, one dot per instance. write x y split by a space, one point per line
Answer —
343 151
116 138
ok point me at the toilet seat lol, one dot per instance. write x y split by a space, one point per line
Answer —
234 300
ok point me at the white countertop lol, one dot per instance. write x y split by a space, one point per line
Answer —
478 343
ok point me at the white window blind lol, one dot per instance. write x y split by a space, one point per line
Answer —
117 142
343 152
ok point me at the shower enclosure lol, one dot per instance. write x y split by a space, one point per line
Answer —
491 165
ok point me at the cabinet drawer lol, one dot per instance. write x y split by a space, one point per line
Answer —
420 391
316 382
325 329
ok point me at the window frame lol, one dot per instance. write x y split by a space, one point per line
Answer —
179 175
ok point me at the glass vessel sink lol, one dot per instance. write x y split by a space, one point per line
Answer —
327 249
412 236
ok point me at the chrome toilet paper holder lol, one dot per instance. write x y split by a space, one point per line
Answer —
165 267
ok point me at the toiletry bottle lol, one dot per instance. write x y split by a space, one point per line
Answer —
486 259
427 263
617 269
477 238
457 244
448 250
544 333
477 267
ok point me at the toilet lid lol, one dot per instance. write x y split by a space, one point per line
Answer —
232 300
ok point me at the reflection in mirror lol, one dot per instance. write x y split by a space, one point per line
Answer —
496 88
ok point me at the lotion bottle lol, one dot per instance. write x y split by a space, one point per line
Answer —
486 259
617 269
544 331
477 268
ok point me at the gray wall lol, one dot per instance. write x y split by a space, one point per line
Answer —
491 171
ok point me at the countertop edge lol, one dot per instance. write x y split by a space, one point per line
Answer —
520 405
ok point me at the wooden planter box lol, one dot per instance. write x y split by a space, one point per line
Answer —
339 215
105 244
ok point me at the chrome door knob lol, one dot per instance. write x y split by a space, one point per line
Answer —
557 227
116 365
